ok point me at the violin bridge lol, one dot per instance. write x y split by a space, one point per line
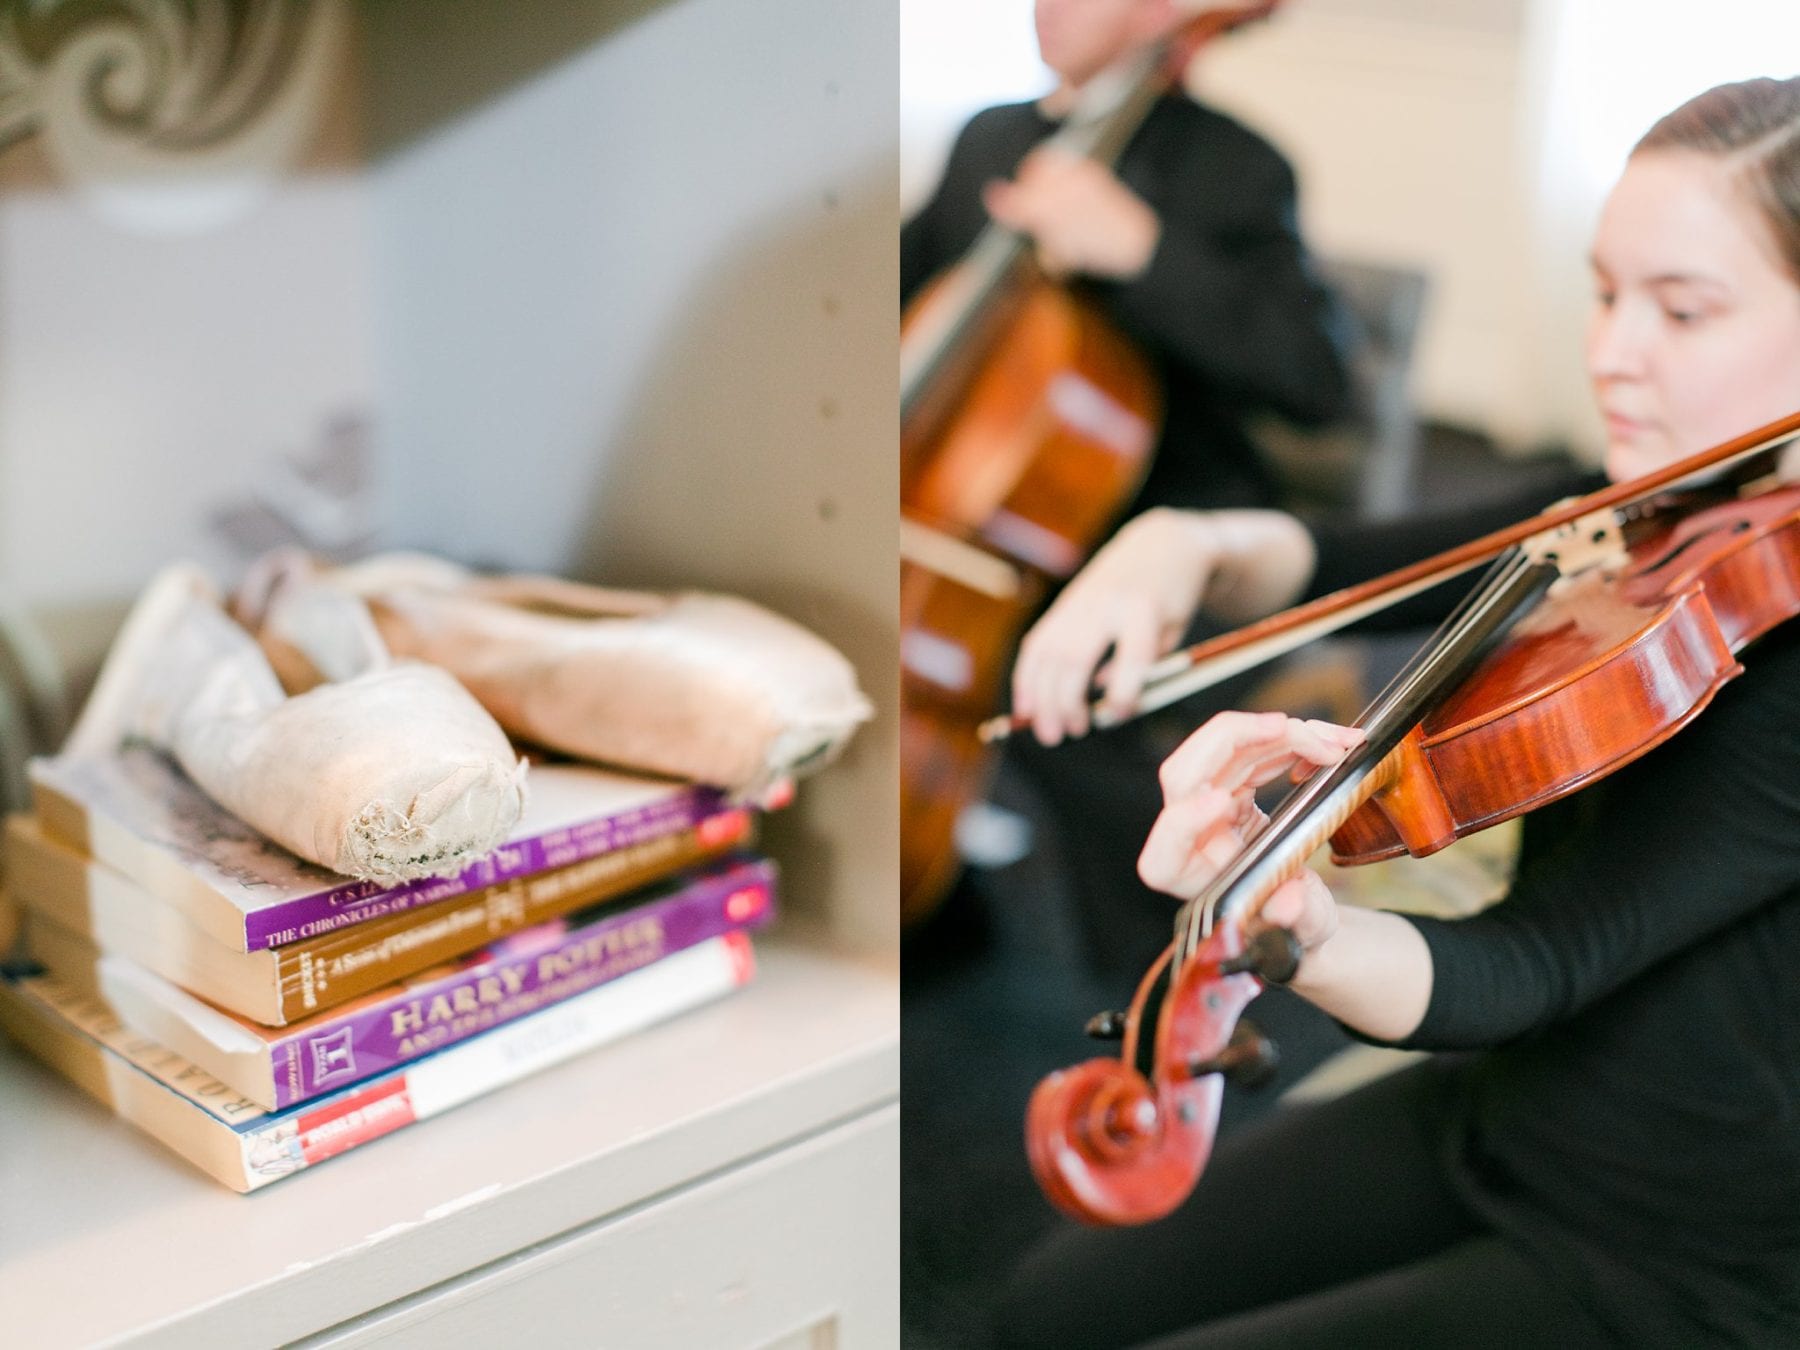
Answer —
1593 540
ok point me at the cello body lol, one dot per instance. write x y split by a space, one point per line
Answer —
1026 424
1002 494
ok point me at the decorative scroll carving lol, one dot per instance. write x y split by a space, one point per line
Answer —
170 115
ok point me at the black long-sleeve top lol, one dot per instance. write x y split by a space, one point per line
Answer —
1228 309
1633 1120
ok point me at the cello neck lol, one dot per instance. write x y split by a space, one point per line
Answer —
994 266
1112 106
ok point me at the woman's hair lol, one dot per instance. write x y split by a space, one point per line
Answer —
1755 125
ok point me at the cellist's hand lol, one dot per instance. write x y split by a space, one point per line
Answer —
1209 811
1077 212
1137 595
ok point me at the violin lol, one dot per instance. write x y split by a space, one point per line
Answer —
1027 422
1601 628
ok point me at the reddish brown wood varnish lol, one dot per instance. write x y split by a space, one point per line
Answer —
1609 666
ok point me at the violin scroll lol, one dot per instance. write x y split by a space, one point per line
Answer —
1109 1145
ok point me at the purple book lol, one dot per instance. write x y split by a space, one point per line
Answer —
139 814
277 1067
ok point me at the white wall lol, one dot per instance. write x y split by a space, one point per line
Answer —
1405 129
616 291
954 58
638 325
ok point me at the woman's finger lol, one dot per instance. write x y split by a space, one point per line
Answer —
1205 755
1046 714
1072 687
1060 674
1251 770
1303 905
1134 648
1285 907
1173 859
1034 677
1236 750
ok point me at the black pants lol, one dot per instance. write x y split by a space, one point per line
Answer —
1101 796
1328 1226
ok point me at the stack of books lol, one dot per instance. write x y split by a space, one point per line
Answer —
259 1014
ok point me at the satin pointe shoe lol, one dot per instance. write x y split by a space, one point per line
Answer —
695 685
390 773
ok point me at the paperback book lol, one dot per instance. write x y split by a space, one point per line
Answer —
279 985
139 814
240 1144
499 984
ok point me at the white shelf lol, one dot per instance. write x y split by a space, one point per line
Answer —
108 1238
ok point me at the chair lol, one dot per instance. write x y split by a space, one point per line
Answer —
1366 461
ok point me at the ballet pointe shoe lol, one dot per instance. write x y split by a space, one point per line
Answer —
390 774
309 632
700 686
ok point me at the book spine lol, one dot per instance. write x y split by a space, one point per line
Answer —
357 902
278 1146
318 975
517 980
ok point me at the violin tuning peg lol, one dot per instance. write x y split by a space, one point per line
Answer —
1106 1026
1249 1061
1273 956
1256 1057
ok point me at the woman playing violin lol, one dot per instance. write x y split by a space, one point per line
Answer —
1611 1152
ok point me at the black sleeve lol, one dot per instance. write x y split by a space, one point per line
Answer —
921 253
1354 551
1698 833
937 236
1229 291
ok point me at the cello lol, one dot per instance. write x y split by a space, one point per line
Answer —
1603 627
1027 423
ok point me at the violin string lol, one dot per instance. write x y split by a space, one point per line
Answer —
1474 615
